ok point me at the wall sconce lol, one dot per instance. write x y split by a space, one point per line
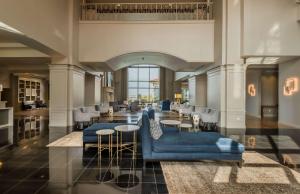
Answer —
290 86
251 90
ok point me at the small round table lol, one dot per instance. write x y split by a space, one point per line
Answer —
186 126
131 146
105 176
108 146
170 122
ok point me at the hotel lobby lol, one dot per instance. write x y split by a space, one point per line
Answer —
145 96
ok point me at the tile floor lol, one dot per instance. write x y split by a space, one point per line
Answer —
30 167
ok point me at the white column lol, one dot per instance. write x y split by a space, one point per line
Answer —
235 96
66 93
92 89
226 93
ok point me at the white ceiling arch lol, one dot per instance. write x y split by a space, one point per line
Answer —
155 58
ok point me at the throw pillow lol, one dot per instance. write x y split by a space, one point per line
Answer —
140 123
155 129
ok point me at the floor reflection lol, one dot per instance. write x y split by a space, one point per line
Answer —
72 170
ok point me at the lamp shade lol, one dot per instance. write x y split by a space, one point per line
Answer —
178 96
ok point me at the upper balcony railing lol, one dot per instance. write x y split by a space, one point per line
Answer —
146 11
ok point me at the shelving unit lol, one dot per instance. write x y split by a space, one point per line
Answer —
28 90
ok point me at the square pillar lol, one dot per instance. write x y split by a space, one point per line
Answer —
226 93
235 96
66 93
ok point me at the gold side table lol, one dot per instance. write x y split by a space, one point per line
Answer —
108 146
131 146
105 176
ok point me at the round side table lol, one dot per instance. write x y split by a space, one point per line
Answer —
101 147
131 146
186 126
104 176
171 123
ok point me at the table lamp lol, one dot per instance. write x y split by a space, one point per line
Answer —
178 97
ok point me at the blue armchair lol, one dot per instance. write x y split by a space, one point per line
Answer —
165 106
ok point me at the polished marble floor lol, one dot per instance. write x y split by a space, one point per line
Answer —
30 167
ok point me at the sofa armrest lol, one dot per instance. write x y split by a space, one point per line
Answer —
146 138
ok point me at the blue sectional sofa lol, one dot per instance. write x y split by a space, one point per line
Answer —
174 145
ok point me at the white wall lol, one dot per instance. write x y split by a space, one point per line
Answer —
269 89
253 103
78 89
270 28
201 90
5 79
192 90
89 90
289 106
97 90
214 89
101 41
44 21
92 90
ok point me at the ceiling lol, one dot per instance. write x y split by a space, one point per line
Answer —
6 38
268 60
10 45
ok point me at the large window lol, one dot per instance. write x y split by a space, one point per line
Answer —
143 83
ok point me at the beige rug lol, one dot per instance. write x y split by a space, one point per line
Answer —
73 139
258 175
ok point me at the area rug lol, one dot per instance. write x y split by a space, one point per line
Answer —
73 139
258 175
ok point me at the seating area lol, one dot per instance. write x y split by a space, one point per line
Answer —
208 117
149 96
174 144
85 116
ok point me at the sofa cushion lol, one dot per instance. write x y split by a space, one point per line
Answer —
169 129
155 129
206 142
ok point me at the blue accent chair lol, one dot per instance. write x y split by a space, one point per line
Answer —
187 146
165 106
